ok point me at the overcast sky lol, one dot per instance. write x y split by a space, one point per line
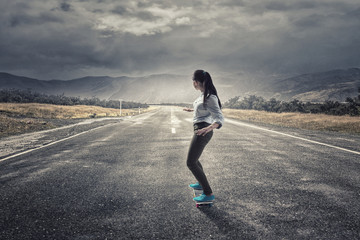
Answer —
50 39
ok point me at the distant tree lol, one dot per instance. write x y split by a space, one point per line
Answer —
27 96
351 107
273 105
296 106
231 103
349 100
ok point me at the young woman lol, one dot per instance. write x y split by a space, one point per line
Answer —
207 117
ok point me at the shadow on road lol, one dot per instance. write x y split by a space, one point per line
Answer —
228 225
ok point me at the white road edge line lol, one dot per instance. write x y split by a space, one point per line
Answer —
49 144
292 136
173 130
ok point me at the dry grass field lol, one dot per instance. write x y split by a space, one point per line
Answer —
18 118
320 122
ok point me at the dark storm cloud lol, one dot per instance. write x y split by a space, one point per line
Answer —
65 6
29 20
119 10
297 37
65 39
142 15
286 6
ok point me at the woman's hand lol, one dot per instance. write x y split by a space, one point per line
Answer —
204 131
188 110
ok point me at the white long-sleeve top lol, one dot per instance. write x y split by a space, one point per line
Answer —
211 114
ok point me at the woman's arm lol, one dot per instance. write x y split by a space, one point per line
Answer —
215 111
188 110
207 129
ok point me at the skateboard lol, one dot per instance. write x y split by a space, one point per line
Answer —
201 204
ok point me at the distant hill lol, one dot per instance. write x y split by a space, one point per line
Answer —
169 88
333 85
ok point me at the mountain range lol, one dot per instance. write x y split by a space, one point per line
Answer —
333 85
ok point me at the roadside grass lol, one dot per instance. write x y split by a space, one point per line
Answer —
12 126
319 122
16 118
38 110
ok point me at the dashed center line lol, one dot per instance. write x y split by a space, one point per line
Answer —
174 121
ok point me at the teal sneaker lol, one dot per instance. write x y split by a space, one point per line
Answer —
204 198
196 186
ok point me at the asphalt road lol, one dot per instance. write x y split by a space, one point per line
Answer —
129 180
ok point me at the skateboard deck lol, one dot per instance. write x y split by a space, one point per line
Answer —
201 204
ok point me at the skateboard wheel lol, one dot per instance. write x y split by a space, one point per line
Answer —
197 205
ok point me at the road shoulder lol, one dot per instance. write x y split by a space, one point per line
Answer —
23 142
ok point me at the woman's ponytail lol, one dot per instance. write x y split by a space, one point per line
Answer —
206 88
